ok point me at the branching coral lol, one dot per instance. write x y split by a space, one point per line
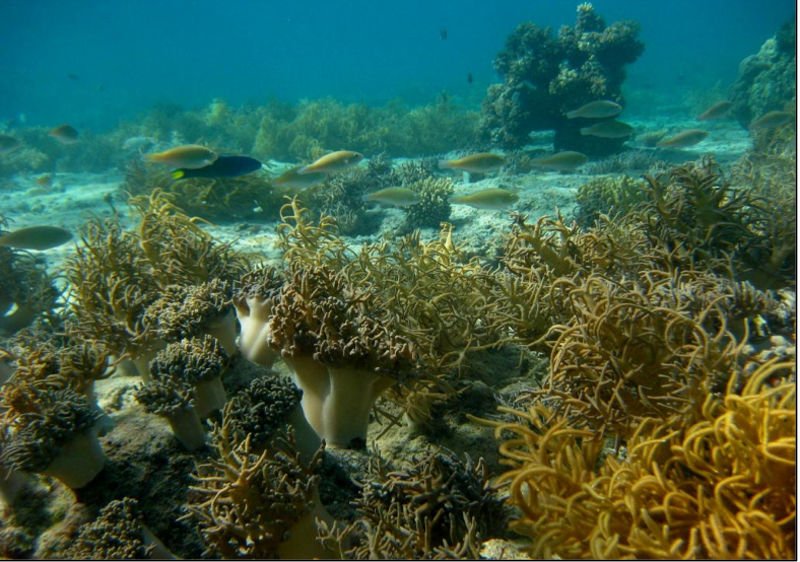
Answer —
262 505
115 274
721 486
441 508
351 325
631 351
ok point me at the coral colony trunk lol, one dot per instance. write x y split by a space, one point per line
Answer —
337 401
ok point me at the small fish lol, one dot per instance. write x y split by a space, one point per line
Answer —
772 120
443 33
333 162
294 180
716 111
73 76
190 156
494 198
599 109
65 134
608 130
469 78
651 138
222 167
36 238
8 143
397 196
683 139
479 163
565 161
45 180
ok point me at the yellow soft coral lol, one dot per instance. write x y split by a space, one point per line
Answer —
723 486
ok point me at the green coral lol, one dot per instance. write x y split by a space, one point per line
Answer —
433 206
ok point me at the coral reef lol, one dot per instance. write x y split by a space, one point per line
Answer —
439 508
718 485
767 80
609 195
546 76
263 505
117 275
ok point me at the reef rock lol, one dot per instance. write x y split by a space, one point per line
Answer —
546 76
766 80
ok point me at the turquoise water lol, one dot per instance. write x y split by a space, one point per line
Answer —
92 63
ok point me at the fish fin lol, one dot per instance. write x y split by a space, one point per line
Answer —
178 174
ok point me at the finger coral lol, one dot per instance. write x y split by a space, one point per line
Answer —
263 505
174 400
441 508
722 486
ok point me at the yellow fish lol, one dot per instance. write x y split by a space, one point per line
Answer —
398 196
333 162
36 238
479 163
683 139
565 161
292 179
189 156
494 198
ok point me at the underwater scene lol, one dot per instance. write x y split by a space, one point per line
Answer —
420 280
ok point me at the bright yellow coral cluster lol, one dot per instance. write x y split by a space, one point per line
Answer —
720 487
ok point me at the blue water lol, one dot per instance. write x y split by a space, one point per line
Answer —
94 63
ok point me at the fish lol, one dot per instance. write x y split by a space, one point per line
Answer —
599 109
222 167
651 138
397 196
45 180
65 134
612 129
189 156
469 78
8 143
443 33
36 238
565 161
716 111
494 198
478 163
683 139
294 180
771 120
333 162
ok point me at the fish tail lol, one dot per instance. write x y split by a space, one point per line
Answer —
305 170
585 131
572 114
444 164
178 174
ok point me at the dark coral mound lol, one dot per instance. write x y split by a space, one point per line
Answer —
545 76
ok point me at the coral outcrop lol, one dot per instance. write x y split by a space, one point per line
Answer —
546 76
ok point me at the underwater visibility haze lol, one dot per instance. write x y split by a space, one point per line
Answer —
418 280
